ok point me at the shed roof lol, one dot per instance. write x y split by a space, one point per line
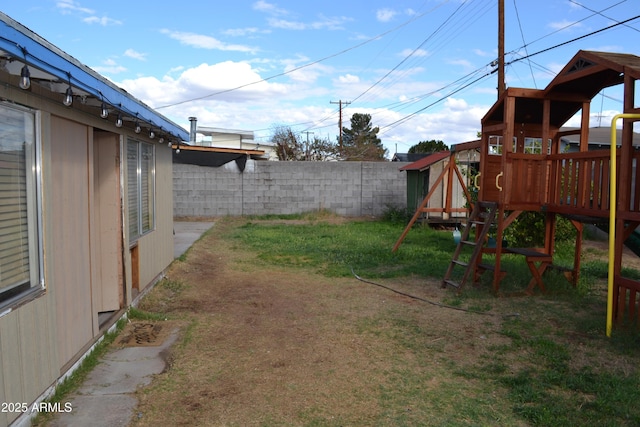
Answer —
409 157
56 70
425 162
597 135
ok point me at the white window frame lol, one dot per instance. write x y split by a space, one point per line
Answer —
495 145
532 145
21 243
141 187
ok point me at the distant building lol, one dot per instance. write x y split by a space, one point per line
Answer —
409 157
230 138
599 139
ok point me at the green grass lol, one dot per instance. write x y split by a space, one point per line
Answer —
542 379
334 249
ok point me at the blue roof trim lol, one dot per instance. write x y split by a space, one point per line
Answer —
28 47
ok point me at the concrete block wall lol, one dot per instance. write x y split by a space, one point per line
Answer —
345 188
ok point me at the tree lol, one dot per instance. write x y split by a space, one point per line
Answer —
430 146
289 146
322 150
287 143
361 142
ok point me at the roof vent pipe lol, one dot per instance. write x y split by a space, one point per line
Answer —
192 132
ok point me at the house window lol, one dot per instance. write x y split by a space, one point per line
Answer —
141 174
20 205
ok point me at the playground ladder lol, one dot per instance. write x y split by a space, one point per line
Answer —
482 217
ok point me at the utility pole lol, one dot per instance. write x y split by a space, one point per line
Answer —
306 150
340 103
501 84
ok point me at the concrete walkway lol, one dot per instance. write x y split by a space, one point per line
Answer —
106 397
186 233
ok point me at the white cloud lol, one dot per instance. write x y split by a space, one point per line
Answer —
130 53
484 53
414 53
454 104
241 32
205 42
109 67
286 25
465 64
68 6
104 21
308 74
176 69
204 80
462 125
385 15
564 24
349 78
324 23
267 7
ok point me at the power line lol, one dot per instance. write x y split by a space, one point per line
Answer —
574 39
406 118
603 15
412 52
524 42
415 18
574 23
447 31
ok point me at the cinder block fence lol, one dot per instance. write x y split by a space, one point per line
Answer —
345 188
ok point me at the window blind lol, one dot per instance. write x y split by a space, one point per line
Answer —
16 195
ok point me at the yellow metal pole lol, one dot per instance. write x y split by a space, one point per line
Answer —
612 217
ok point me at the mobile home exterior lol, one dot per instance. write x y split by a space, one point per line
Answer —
85 210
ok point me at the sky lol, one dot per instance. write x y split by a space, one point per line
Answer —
421 68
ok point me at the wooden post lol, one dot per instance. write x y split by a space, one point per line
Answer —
501 84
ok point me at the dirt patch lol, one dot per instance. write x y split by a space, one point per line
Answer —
144 334
599 250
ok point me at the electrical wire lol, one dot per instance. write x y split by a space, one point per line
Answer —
574 23
603 15
437 304
408 117
535 85
413 52
451 28
415 18
574 39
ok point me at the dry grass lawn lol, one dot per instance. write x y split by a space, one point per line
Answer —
263 345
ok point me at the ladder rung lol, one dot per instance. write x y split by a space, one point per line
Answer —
488 267
468 242
487 204
458 262
451 283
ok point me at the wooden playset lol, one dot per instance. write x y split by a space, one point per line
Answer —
523 167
